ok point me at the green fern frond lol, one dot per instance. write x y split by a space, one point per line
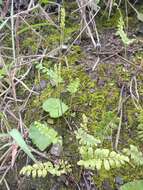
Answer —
42 169
53 74
86 139
73 86
135 155
101 158
121 32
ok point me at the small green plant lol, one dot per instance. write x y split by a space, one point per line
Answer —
43 136
42 169
134 154
73 86
94 157
55 107
82 134
86 139
53 74
121 32
108 123
100 157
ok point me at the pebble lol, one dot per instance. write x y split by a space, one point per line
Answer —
56 150
119 180
41 86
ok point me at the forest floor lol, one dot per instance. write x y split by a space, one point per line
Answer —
109 92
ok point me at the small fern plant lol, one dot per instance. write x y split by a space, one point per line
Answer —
134 154
92 156
53 74
42 169
120 31
73 86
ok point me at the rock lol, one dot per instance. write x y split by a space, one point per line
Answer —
56 150
119 180
41 86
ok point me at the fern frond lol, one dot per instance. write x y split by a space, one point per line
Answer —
73 86
135 155
42 169
121 32
53 74
101 158
85 138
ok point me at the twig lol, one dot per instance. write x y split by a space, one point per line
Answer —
6 171
120 109
135 98
6 184
25 86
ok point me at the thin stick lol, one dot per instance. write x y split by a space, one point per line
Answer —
120 109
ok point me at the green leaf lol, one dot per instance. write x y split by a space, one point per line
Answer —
98 164
106 165
42 135
134 185
55 107
15 134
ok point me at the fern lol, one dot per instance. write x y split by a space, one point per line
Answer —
135 155
53 74
73 86
99 158
86 139
109 122
42 169
83 137
121 33
94 157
